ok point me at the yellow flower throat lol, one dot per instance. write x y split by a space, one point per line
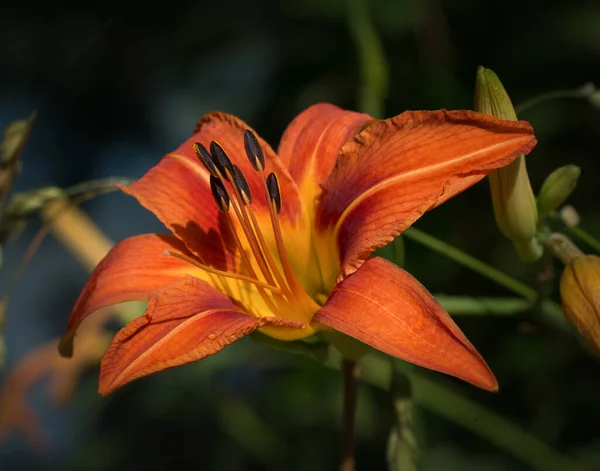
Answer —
271 273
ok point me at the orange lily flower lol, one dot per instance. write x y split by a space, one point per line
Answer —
282 243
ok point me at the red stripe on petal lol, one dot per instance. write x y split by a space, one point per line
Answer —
185 322
387 308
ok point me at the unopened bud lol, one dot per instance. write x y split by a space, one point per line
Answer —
557 187
580 294
514 204
569 215
15 138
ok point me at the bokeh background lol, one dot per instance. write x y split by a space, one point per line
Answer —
119 84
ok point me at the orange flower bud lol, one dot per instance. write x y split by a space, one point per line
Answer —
580 293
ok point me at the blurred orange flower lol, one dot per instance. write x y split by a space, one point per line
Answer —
44 362
580 293
282 243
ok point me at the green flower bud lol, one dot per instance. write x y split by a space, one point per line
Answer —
16 135
557 187
514 203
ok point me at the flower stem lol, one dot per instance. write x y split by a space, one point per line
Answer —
585 236
502 433
471 262
582 92
453 406
373 63
350 374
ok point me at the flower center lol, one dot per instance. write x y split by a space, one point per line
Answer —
271 273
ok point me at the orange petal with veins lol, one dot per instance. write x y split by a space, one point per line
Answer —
177 190
310 145
387 308
186 321
130 272
395 170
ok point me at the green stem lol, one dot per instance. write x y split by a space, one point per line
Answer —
471 262
585 236
477 306
350 373
373 64
583 92
403 448
481 421
464 412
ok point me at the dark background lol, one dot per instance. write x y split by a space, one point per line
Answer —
119 84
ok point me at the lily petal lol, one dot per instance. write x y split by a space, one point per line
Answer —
387 308
177 190
186 321
311 143
395 170
130 272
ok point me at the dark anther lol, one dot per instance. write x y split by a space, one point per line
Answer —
221 160
254 151
205 158
219 193
239 180
274 193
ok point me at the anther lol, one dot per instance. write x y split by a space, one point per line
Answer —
205 158
221 160
219 193
274 193
242 185
254 151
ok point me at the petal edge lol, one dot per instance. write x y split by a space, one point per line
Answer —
387 308
186 321
130 271
397 169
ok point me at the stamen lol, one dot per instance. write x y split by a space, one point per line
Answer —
245 259
271 186
221 160
254 151
246 227
239 180
219 193
205 158
278 286
223 199
263 257
268 256
225 274
273 191
263 262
